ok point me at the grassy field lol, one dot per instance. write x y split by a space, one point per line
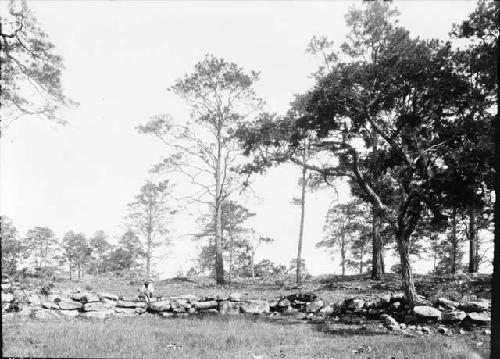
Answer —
174 287
355 285
150 336
215 337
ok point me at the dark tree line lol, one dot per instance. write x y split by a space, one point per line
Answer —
408 122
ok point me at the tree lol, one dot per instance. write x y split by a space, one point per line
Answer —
254 242
31 71
267 139
99 247
450 254
465 182
472 163
292 268
118 259
69 250
148 215
129 251
360 246
77 251
408 97
220 96
482 29
234 235
266 269
344 222
12 247
436 251
40 243
370 28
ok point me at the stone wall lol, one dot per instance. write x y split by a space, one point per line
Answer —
390 309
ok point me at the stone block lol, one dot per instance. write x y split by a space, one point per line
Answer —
426 312
161 306
226 307
70 305
7 297
128 304
255 307
50 305
235 297
69 313
94 307
314 307
212 304
454 316
109 296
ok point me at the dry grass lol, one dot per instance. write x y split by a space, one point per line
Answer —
169 288
213 337
225 337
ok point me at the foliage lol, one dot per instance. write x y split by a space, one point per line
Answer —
239 243
12 247
40 245
234 215
127 254
76 250
234 234
31 71
149 215
292 269
220 96
346 231
409 96
481 29
269 271
99 247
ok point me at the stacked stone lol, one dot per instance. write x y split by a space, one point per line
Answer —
391 309
396 314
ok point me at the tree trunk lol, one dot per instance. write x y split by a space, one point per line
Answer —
454 241
361 260
435 258
219 264
473 241
382 265
148 256
79 271
252 265
301 230
377 245
231 244
70 271
406 273
342 253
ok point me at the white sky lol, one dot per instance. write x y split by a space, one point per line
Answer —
120 57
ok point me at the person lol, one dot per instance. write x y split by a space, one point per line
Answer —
147 290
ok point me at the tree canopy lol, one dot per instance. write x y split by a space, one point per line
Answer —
31 69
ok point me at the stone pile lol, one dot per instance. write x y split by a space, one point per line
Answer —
391 309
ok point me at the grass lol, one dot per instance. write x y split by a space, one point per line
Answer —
230 337
170 288
214 337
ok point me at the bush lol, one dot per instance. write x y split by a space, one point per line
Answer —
396 268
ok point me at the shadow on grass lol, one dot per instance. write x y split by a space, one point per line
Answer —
348 329
337 328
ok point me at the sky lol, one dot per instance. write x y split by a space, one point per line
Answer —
120 57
